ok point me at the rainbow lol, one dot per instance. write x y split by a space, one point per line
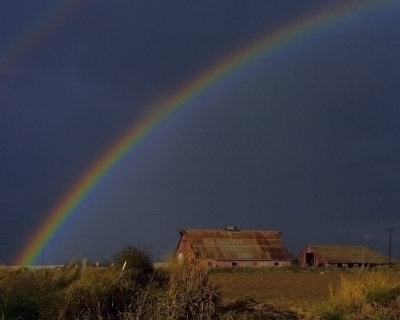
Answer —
37 30
56 217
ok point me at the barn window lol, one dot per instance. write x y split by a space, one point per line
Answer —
234 264
276 264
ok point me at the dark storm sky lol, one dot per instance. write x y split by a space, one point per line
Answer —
305 140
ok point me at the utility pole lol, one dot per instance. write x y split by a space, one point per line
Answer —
390 245
363 257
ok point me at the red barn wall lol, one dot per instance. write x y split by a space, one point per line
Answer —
302 257
185 250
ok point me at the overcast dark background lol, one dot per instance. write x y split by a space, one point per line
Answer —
304 140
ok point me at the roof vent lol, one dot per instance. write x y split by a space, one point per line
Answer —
232 228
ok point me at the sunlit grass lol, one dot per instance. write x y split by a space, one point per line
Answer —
189 291
371 294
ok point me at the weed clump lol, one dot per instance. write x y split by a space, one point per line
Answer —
187 294
365 295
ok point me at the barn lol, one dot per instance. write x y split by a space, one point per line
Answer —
340 256
232 247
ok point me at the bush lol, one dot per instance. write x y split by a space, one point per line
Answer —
134 258
137 263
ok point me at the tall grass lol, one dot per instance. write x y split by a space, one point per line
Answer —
182 291
187 294
354 288
28 294
371 294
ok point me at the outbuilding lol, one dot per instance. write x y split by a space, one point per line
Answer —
232 247
341 256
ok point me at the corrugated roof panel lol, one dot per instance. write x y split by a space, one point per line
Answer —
237 245
349 254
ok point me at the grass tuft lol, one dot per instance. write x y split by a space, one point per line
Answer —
372 294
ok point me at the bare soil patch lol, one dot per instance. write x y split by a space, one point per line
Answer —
299 291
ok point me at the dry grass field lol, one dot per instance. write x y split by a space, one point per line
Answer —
299 291
188 291
305 291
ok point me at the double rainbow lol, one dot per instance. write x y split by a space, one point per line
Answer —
140 129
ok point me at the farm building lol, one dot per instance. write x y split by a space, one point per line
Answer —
340 256
232 247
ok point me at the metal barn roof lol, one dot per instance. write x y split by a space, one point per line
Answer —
349 254
237 244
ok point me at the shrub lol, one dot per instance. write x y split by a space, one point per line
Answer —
137 263
134 258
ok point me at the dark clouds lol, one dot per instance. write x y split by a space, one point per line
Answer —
304 140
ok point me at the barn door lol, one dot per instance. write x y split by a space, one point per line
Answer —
310 259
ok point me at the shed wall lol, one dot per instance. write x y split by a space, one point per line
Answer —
340 256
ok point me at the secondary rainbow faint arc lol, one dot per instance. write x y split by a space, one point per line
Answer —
28 37
265 44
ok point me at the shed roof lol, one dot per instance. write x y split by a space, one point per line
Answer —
349 254
237 244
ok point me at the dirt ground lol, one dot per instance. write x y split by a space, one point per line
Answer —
299 291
